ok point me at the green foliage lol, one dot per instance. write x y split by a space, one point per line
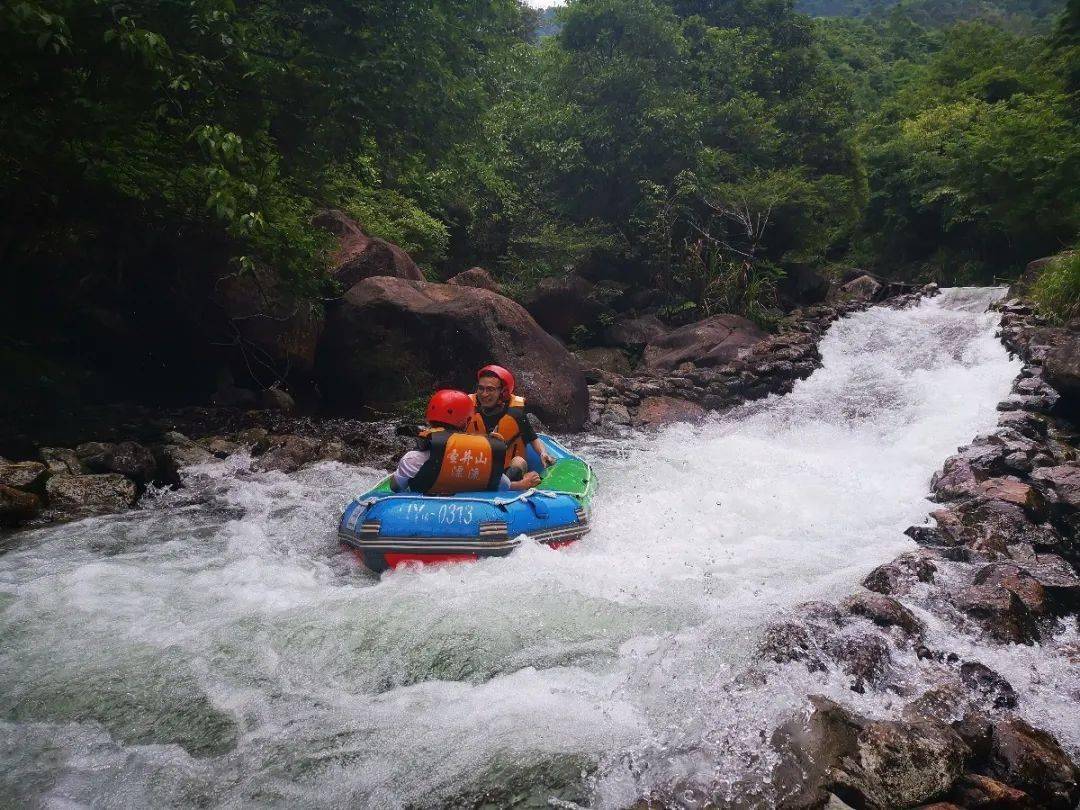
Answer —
976 161
232 118
1057 290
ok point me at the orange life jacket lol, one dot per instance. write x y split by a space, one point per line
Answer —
508 427
459 462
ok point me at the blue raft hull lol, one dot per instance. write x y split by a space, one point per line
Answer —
385 529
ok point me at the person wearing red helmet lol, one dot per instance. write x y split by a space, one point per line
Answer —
499 410
449 460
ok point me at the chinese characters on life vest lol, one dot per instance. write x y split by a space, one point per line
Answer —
468 465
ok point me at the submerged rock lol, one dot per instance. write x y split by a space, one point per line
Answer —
988 685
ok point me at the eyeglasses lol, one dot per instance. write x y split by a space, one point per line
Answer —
489 388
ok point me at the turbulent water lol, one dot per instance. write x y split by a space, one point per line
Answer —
217 649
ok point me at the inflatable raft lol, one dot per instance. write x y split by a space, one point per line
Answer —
385 529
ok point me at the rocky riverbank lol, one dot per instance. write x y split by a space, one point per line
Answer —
718 363
136 447
997 566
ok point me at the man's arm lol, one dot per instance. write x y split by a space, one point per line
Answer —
531 439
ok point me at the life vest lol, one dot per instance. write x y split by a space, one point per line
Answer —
508 427
459 462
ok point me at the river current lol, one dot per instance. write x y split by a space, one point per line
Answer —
216 648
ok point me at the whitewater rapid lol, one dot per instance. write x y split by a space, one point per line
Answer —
217 648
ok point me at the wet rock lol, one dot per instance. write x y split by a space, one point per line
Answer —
1033 761
882 764
220 446
126 458
22 474
1020 582
899 576
974 791
987 685
656 410
17 506
999 612
884 611
937 536
709 342
256 440
865 657
1060 579
956 480
475 277
787 641
1013 490
61 460
177 453
76 496
287 454
990 526
1064 481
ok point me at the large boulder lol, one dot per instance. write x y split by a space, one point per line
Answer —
561 304
359 256
392 340
710 342
475 277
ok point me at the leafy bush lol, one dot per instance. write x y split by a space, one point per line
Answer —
1057 290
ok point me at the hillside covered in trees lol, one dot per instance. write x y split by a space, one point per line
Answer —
689 156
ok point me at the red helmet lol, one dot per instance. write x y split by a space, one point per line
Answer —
451 408
504 376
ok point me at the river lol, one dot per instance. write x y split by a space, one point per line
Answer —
216 648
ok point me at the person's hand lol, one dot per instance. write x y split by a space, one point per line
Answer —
531 479
546 459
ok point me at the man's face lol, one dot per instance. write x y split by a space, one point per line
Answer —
488 391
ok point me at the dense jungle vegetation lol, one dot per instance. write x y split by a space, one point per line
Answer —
699 150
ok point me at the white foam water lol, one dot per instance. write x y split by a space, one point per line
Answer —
217 648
